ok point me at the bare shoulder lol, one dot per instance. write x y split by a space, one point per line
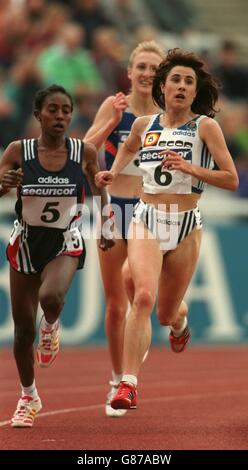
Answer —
140 124
89 149
107 104
15 146
103 114
207 125
13 152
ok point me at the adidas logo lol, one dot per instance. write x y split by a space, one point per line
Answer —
53 180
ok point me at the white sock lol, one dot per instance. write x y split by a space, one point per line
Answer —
116 378
178 332
48 326
131 379
30 391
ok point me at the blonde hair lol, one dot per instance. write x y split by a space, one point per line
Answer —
146 46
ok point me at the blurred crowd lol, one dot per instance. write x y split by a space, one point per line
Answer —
84 45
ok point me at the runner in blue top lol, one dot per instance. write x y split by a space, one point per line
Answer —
46 246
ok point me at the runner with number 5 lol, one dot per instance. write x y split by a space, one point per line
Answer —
46 246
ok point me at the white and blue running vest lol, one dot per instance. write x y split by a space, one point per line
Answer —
184 140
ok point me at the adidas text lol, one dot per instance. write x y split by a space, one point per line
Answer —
53 180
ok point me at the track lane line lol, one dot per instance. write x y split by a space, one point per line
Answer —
144 400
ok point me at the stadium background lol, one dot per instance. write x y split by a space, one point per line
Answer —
218 293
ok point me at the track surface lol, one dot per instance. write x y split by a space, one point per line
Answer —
194 400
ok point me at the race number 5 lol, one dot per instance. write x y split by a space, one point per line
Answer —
73 239
50 213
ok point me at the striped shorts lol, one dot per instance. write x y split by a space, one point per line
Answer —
31 248
169 228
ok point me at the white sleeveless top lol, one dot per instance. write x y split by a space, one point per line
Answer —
184 140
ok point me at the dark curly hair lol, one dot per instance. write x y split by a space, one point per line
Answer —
207 85
41 96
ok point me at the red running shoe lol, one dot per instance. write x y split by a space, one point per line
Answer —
125 398
178 343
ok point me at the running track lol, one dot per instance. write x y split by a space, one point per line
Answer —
194 400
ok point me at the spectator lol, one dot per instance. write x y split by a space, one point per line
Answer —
171 15
90 15
109 55
45 26
68 64
234 122
13 31
23 82
86 107
232 75
127 16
